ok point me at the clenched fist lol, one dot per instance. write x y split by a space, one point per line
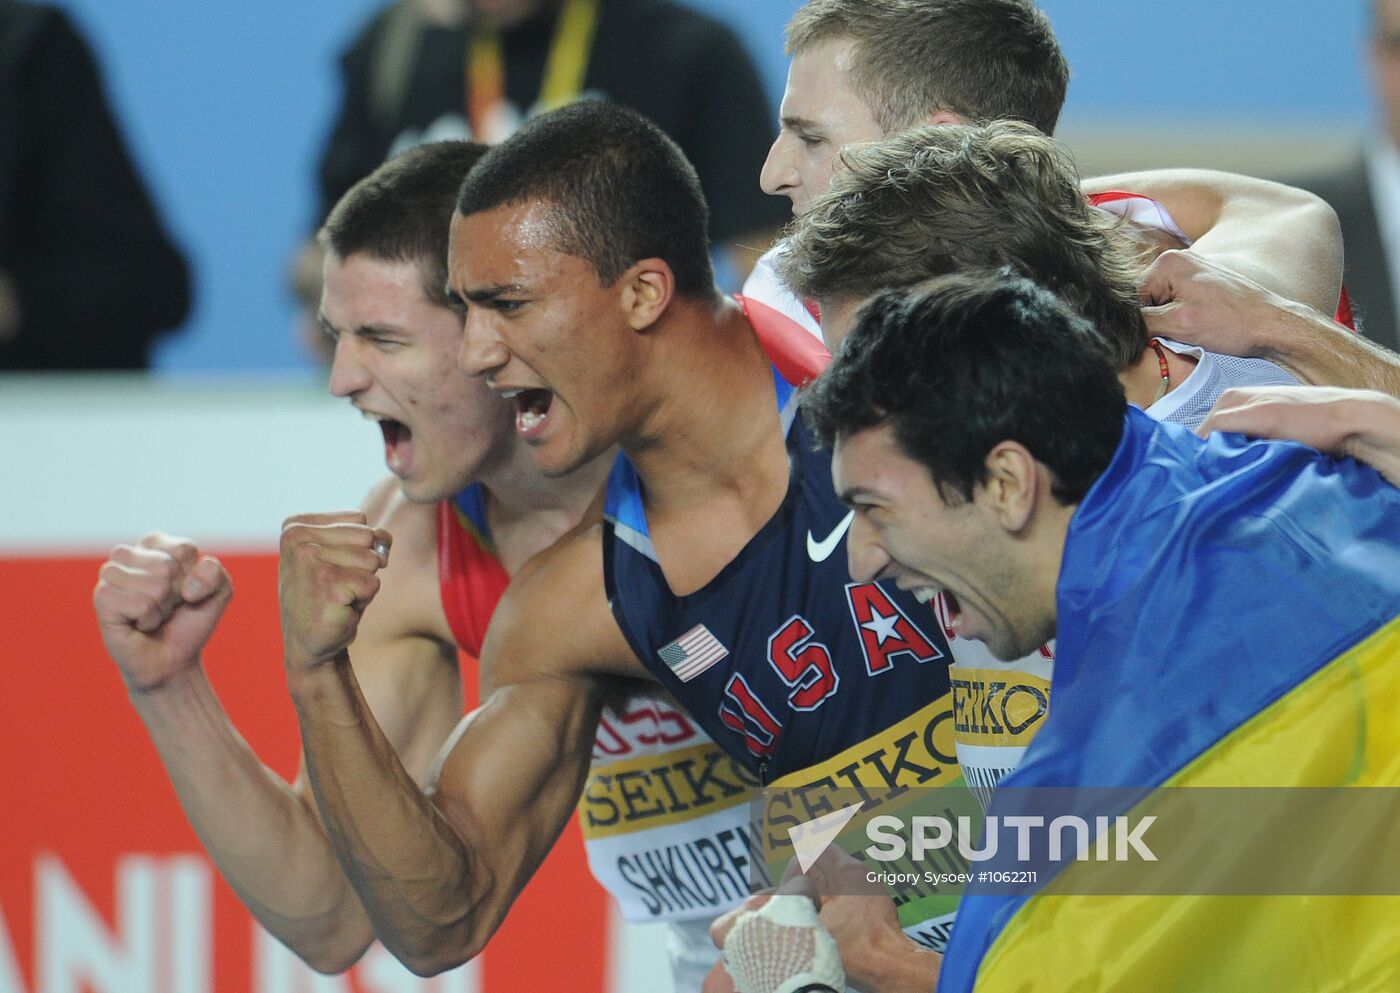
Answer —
325 579
157 603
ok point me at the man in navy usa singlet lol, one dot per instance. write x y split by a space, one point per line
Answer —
579 260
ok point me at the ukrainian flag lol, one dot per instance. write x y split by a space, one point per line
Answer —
1228 616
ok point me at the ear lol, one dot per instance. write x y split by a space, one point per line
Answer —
648 288
1014 486
944 117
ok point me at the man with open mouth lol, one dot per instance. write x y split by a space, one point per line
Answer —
466 507
1227 615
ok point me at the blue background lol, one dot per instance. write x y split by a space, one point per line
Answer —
227 104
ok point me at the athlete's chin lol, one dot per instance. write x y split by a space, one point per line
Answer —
558 456
554 460
1010 645
418 489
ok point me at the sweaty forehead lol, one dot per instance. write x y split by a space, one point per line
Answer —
821 90
513 243
527 224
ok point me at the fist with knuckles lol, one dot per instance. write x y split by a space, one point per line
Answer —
327 575
157 603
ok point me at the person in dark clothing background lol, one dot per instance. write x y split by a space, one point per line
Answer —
406 75
88 274
430 70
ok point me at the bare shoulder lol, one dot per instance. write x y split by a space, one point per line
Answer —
380 500
554 620
409 603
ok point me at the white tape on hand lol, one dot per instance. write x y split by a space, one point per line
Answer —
782 948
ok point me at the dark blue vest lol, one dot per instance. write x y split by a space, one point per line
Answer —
782 659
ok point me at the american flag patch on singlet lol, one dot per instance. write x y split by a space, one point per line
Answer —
692 653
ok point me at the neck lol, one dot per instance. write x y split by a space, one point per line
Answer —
713 405
1142 381
519 489
528 512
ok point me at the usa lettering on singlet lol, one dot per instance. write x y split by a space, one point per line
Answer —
663 812
810 681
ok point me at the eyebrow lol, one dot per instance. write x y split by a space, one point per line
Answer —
799 123
361 331
488 293
850 494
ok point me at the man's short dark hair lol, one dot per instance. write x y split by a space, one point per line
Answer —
402 211
962 363
620 191
981 59
938 199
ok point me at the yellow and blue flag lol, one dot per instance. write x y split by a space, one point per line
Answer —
1228 615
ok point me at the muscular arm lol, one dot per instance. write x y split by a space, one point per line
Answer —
1285 239
437 873
262 833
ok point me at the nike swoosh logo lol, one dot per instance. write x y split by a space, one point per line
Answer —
820 551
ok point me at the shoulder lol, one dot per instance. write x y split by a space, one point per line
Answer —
382 500
409 596
554 619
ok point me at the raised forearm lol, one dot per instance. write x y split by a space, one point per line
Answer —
261 834
1285 239
435 876
415 878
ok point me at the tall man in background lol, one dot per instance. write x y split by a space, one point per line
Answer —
865 69
428 70
1365 191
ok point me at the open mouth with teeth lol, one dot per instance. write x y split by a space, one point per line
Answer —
531 410
398 444
944 604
